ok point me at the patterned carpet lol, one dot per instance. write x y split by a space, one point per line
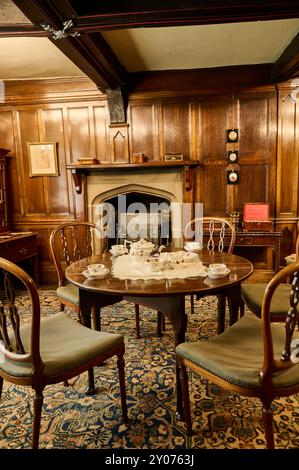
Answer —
72 420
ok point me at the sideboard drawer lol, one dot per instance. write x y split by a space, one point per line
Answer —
244 240
19 248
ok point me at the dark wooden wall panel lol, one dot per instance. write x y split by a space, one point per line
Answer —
255 123
176 128
58 190
288 154
250 190
100 119
214 193
79 132
215 117
143 121
28 131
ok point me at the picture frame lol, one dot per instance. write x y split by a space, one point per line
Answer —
42 159
233 156
232 177
232 135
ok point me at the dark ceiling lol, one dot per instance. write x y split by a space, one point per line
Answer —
91 53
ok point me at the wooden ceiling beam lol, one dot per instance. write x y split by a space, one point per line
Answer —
94 15
89 52
287 65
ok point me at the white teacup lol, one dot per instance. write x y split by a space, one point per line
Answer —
96 268
193 246
217 268
154 264
119 249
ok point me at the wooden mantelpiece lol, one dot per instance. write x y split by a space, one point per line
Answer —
79 170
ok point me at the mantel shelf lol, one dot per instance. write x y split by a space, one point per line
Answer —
117 166
77 169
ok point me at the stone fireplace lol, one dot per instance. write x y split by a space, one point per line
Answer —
149 188
152 184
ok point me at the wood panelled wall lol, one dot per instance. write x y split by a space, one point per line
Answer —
74 114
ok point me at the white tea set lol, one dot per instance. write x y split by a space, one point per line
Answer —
137 250
95 271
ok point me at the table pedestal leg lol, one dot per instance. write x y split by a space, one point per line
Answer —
173 307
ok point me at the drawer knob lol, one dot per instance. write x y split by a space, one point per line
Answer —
23 251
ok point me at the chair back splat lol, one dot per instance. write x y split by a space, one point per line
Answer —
72 241
214 234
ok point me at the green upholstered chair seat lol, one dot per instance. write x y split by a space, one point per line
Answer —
252 294
69 293
237 354
64 345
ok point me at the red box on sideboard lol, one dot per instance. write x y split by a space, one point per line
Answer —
256 216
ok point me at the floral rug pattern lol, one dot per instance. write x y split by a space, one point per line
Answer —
73 420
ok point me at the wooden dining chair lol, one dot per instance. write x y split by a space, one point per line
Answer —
50 350
215 234
253 357
70 242
252 295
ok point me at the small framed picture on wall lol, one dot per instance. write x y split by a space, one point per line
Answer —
42 159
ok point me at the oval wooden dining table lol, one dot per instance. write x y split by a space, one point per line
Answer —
165 295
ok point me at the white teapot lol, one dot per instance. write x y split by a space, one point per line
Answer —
140 248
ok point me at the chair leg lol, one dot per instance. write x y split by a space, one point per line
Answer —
192 303
91 390
185 397
122 384
163 326
96 318
242 308
1 386
137 321
220 313
37 411
268 423
159 324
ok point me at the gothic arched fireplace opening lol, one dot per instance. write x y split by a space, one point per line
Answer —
133 215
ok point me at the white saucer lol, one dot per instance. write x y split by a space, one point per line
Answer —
218 275
95 276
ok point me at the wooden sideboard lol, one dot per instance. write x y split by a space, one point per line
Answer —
18 247
261 248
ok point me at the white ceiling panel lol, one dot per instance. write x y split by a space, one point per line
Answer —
191 47
33 58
